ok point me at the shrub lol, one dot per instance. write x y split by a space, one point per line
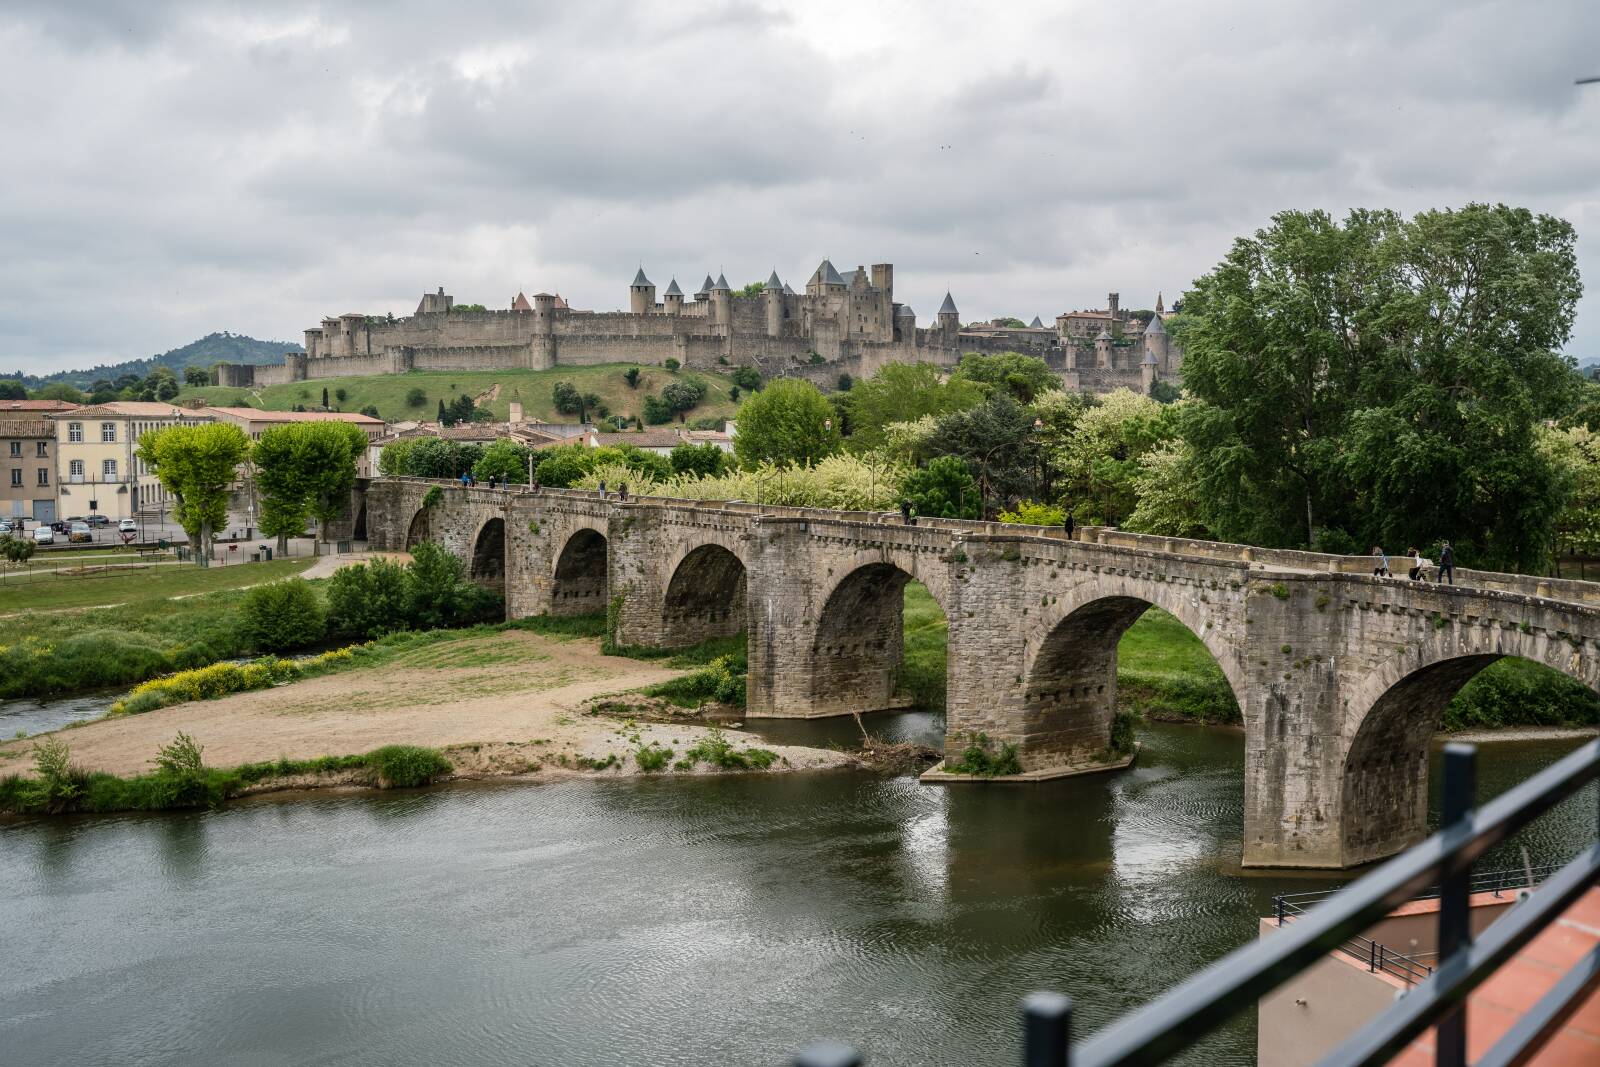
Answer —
652 757
566 398
407 766
747 378
631 376
181 780
717 750
722 680
368 599
1122 734
560 469
682 395
846 383
1030 513
416 397
671 364
979 759
656 410
281 616
58 781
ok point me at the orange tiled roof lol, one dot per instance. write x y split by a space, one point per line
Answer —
259 415
36 405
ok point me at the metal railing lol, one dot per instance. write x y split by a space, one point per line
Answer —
1236 982
1409 968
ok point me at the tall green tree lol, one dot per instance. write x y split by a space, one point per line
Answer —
1025 377
1380 379
198 466
789 421
505 461
997 441
280 484
904 392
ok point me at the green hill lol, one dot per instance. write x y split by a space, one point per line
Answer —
229 347
491 389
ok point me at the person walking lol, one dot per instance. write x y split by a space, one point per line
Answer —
1068 525
1380 562
905 512
602 488
1447 563
1416 563
622 492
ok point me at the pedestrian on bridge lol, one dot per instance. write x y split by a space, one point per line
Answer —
602 488
1380 562
1447 563
622 492
1068 525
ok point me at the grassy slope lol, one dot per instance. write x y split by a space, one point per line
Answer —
133 587
388 391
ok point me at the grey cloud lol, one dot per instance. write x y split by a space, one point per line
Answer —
179 168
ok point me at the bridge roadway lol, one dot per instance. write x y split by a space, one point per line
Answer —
1341 677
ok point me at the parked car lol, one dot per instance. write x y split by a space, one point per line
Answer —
44 535
79 533
60 526
5 526
99 520
127 526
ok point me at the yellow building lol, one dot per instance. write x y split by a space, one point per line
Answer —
97 470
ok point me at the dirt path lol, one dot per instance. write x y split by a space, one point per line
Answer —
511 702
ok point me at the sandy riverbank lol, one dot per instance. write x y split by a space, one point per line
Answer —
1519 733
508 703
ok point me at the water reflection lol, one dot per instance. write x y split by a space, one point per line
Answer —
658 921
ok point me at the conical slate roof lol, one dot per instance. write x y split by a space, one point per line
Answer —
721 285
672 289
1036 324
786 290
828 275
1149 359
640 279
1155 325
1103 335
949 305
773 282
904 312
705 286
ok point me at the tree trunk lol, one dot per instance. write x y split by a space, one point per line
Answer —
283 543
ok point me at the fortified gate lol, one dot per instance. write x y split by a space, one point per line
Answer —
1342 678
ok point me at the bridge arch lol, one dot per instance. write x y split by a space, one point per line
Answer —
1069 673
579 578
707 595
858 645
418 529
488 565
1393 714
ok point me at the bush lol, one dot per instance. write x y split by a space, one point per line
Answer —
682 395
671 364
566 398
416 397
282 616
979 759
705 461
368 599
721 681
559 469
1030 513
631 376
652 757
407 766
747 378
717 750
59 782
656 410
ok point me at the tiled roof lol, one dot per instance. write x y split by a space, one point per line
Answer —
258 415
148 409
640 439
35 405
521 304
26 428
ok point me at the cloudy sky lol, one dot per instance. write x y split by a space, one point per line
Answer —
177 168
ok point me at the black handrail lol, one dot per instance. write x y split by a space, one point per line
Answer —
1196 1007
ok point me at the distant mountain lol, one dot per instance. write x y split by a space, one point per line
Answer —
213 347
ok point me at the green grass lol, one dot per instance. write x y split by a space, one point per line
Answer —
136 587
922 673
1165 672
66 788
387 392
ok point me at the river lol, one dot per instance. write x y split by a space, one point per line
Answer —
650 921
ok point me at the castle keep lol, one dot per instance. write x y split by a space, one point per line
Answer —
846 323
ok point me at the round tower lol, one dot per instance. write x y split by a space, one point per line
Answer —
673 298
542 347
1102 349
772 294
641 295
905 323
721 302
1158 343
949 319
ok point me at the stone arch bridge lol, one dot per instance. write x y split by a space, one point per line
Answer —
1341 677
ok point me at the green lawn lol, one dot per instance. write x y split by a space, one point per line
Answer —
388 392
136 586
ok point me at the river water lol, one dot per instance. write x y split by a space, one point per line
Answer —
652 921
